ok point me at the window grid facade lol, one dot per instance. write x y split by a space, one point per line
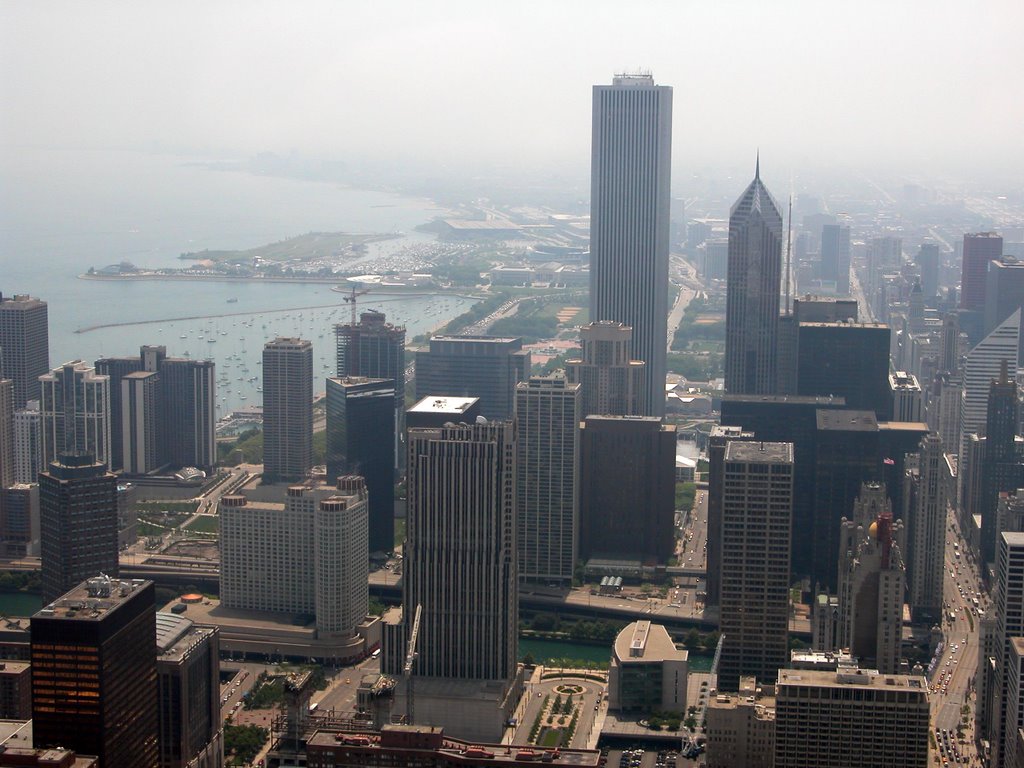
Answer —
757 509
547 494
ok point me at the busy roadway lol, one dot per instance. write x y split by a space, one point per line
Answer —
952 680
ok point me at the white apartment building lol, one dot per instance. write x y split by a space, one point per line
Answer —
307 556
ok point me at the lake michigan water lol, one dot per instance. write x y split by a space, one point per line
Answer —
63 211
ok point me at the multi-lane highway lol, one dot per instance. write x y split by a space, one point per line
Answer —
952 683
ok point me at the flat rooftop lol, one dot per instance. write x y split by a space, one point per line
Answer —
93 599
477 339
864 679
1018 645
848 324
411 738
443 405
755 451
11 667
847 421
820 400
643 641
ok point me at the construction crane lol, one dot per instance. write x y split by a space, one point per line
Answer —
410 657
351 299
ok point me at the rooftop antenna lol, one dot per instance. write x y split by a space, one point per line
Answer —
789 252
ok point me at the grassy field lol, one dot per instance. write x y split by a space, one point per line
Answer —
314 245
204 524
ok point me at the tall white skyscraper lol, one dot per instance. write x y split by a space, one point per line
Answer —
308 555
631 157
28 447
287 409
75 411
981 367
752 291
548 414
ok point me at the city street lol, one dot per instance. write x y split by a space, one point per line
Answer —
952 683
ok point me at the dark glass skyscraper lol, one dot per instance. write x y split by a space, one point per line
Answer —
360 440
1001 470
460 554
77 522
979 250
487 367
94 685
375 348
752 292
835 256
631 157
848 360
627 488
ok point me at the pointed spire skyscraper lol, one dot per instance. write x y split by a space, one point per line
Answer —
752 291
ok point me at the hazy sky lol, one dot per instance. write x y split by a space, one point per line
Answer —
924 83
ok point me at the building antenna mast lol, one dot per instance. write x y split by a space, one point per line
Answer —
789 252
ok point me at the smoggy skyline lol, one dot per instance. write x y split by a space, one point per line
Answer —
917 87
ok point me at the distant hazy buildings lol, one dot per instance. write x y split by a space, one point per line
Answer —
78 522
631 157
547 490
627 488
835 256
757 511
287 409
24 345
94 683
752 292
611 381
928 257
979 250
360 441
485 367
1004 290
75 410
